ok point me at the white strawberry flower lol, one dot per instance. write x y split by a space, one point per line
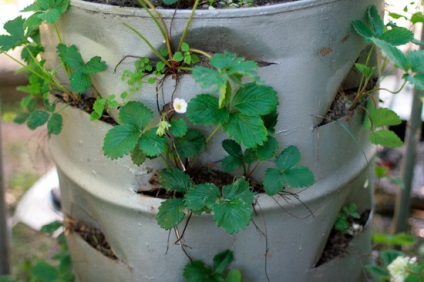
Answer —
180 105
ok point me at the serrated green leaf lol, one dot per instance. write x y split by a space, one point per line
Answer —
178 127
94 65
383 117
246 130
221 261
55 123
152 144
230 64
362 29
375 20
197 271
70 56
120 140
175 180
32 23
171 213
233 276
397 36
16 36
299 177
366 70
204 109
274 181
416 60
289 157
37 118
232 148
240 189
138 156
49 11
385 138
202 195
136 114
393 53
80 82
232 215
254 100
191 144
268 149
208 78
231 163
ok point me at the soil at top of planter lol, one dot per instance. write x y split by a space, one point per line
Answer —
188 4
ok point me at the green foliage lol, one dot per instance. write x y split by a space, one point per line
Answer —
143 72
345 216
80 71
171 213
287 172
387 38
395 263
197 271
48 11
16 34
191 144
400 239
185 55
234 210
175 180
101 104
231 207
227 67
39 270
380 118
133 131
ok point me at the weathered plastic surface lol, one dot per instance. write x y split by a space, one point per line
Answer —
100 192
312 47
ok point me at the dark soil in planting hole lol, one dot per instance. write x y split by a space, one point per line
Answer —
199 175
338 243
93 236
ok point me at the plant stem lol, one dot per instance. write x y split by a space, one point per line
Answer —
165 61
363 83
146 4
213 133
59 37
188 24
206 54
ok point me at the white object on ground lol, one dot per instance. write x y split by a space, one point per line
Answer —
36 208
